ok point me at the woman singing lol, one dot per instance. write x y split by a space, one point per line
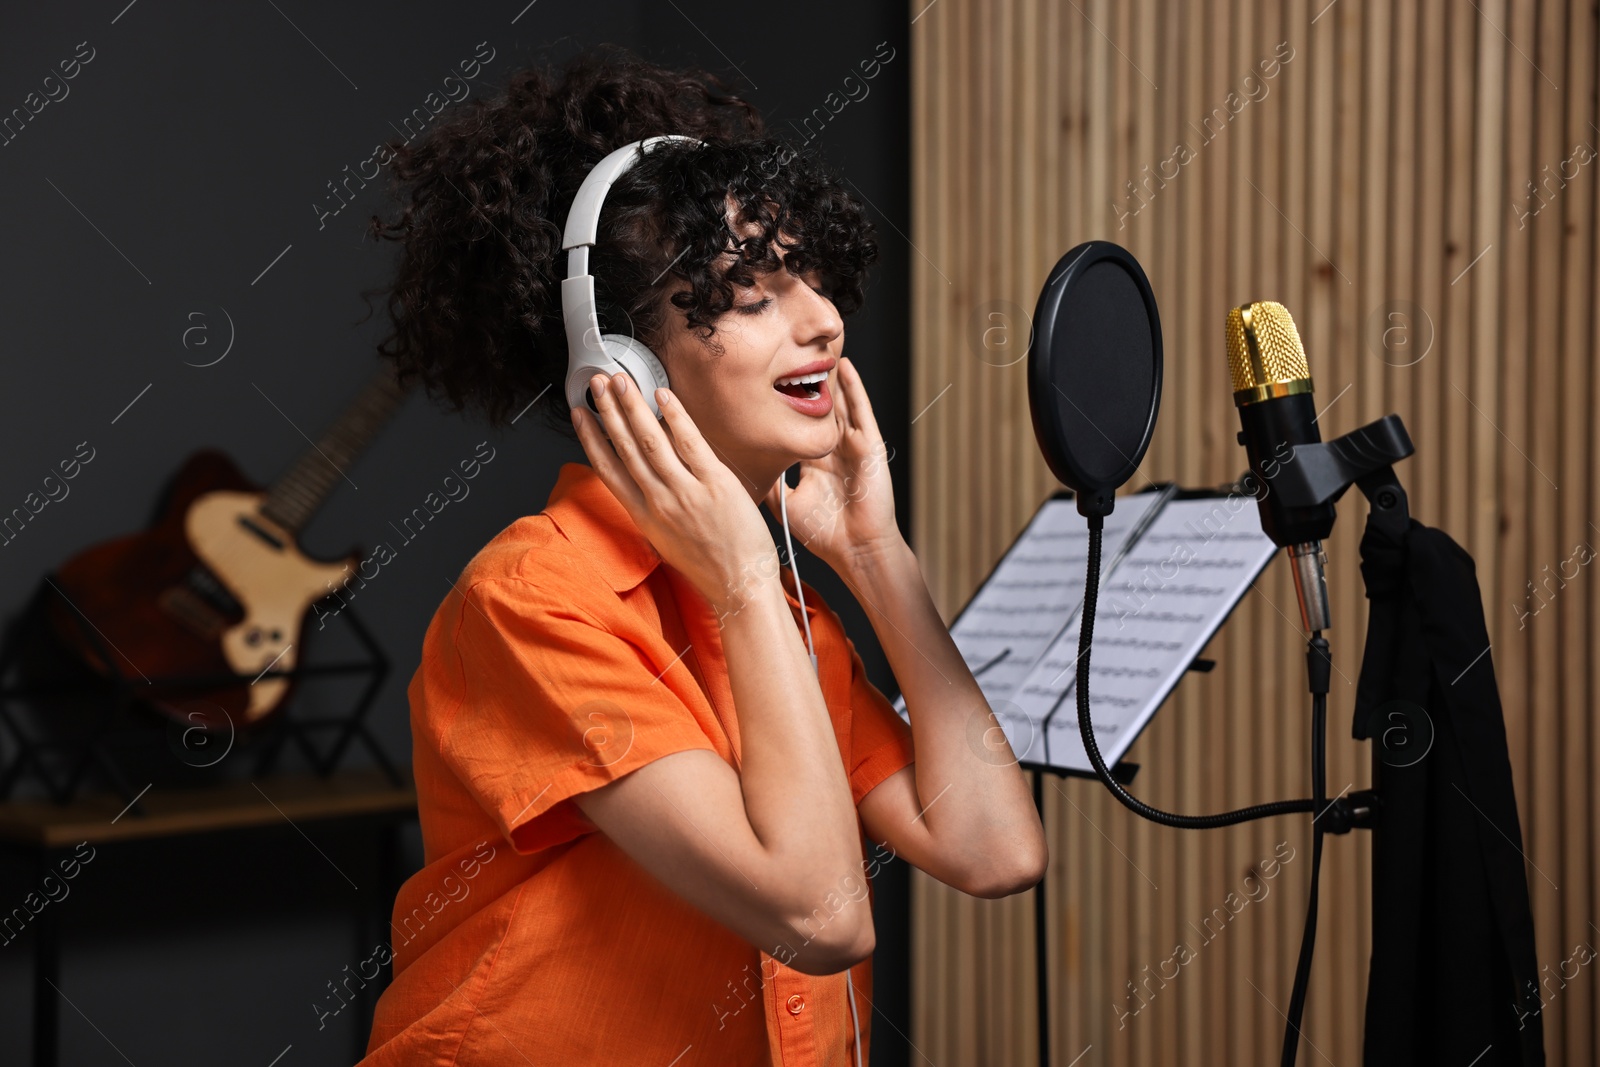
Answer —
649 825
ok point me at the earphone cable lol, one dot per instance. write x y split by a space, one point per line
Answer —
783 508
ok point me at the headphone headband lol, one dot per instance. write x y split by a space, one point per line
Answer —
584 216
588 349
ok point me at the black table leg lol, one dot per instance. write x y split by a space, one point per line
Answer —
46 973
373 925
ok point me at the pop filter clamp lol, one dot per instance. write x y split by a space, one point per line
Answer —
1094 389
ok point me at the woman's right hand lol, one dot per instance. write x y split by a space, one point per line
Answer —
691 507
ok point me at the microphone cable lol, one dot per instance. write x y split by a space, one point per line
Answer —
1318 664
1308 937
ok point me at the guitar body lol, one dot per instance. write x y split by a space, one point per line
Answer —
213 588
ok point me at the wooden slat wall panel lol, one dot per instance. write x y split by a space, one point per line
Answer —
1577 283
1378 183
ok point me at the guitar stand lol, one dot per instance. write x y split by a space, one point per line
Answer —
54 681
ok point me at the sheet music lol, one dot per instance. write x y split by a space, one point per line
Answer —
1034 591
1155 612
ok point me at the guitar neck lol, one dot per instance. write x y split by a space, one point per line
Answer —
294 498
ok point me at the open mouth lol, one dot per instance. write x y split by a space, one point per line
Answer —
802 387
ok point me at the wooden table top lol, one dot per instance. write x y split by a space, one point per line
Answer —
171 811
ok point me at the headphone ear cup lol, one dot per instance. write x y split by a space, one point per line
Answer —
585 367
641 363
619 350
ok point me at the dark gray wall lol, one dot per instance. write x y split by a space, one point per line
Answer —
175 188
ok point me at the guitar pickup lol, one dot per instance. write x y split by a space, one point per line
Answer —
260 531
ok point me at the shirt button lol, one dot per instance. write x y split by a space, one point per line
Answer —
796 1004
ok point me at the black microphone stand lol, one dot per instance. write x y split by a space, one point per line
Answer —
1320 473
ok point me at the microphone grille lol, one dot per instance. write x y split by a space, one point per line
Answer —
1264 350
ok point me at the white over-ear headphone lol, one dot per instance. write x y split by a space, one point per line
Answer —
588 350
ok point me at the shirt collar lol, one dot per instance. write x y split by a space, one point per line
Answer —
600 527
593 520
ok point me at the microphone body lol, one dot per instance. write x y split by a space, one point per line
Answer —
1273 391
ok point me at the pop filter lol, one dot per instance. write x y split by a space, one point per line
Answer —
1094 371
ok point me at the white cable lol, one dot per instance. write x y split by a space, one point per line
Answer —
850 989
783 507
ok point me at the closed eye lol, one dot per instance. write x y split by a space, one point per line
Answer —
761 305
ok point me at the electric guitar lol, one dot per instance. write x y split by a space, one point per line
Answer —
217 590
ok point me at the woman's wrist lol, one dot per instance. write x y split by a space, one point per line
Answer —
754 587
880 567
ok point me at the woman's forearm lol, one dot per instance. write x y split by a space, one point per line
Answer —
796 794
974 800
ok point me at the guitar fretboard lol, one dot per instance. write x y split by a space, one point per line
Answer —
296 496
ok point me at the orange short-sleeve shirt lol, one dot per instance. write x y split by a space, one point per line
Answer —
567 655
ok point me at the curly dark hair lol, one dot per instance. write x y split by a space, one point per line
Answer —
476 296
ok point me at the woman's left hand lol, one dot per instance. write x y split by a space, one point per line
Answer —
842 510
